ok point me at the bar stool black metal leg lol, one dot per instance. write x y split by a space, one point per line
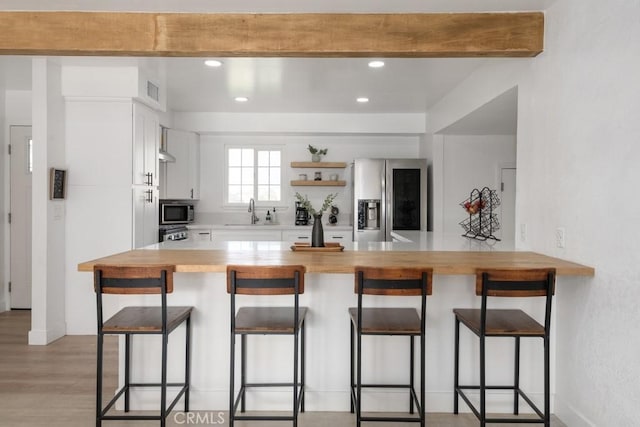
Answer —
547 385
351 368
187 366
127 368
243 372
163 389
99 348
483 390
411 373
359 379
516 378
295 376
456 367
423 365
302 367
232 354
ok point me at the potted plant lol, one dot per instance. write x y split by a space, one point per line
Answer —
317 233
315 153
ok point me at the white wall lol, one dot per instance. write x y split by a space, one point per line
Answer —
341 148
469 162
17 107
99 202
577 165
48 224
3 213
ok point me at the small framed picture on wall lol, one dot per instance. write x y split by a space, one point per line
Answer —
57 184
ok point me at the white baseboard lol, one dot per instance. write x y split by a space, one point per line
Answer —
44 337
570 415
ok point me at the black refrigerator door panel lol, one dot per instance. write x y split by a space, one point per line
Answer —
406 195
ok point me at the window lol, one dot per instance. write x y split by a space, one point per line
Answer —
253 173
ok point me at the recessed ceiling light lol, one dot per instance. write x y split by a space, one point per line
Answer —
376 64
241 99
212 63
362 99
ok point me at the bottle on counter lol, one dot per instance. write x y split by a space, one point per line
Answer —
267 218
274 218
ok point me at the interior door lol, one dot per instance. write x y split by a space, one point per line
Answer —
508 203
20 208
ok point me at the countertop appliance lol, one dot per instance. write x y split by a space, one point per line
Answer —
176 212
302 215
173 232
388 194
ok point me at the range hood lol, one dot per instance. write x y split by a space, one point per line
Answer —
163 155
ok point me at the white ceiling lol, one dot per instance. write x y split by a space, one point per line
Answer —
294 84
497 117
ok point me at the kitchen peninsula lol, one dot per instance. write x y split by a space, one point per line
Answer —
200 281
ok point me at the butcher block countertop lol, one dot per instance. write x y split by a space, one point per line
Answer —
198 258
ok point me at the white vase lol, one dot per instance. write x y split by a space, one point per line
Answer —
315 157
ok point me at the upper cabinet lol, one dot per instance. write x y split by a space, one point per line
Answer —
183 175
146 142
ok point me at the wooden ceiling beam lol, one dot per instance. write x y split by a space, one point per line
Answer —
412 35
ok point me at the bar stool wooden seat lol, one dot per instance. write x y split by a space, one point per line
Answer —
158 320
266 280
389 321
485 322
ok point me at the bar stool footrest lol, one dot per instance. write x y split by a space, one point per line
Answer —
521 393
243 390
119 393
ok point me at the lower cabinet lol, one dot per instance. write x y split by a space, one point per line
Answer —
336 236
245 235
292 236
259 234
200 234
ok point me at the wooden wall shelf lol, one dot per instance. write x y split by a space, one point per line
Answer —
336 165
310 183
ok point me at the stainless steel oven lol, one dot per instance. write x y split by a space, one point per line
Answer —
176 213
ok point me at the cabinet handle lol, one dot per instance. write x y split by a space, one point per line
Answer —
303 237
192 193
204 234
336 237
149 198
149 177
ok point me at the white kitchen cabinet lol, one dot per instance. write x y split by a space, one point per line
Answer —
302 235
200 234
145 216
145 145
245 235
183 175
146 142
336 236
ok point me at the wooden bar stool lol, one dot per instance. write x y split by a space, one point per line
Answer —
486 322
266 280
159 320
389 321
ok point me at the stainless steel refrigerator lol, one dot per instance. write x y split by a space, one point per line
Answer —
388 195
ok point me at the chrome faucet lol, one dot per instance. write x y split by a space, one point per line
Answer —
252 209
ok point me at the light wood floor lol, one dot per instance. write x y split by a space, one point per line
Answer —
54 386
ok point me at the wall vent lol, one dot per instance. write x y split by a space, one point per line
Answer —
153 91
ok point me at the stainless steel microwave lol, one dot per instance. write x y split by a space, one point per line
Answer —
176 213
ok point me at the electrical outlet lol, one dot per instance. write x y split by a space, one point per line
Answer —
560 237
523 232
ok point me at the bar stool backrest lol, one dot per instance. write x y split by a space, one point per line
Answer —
396 281
515 283
265 280
157 279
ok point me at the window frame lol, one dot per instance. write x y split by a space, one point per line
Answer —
282 203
